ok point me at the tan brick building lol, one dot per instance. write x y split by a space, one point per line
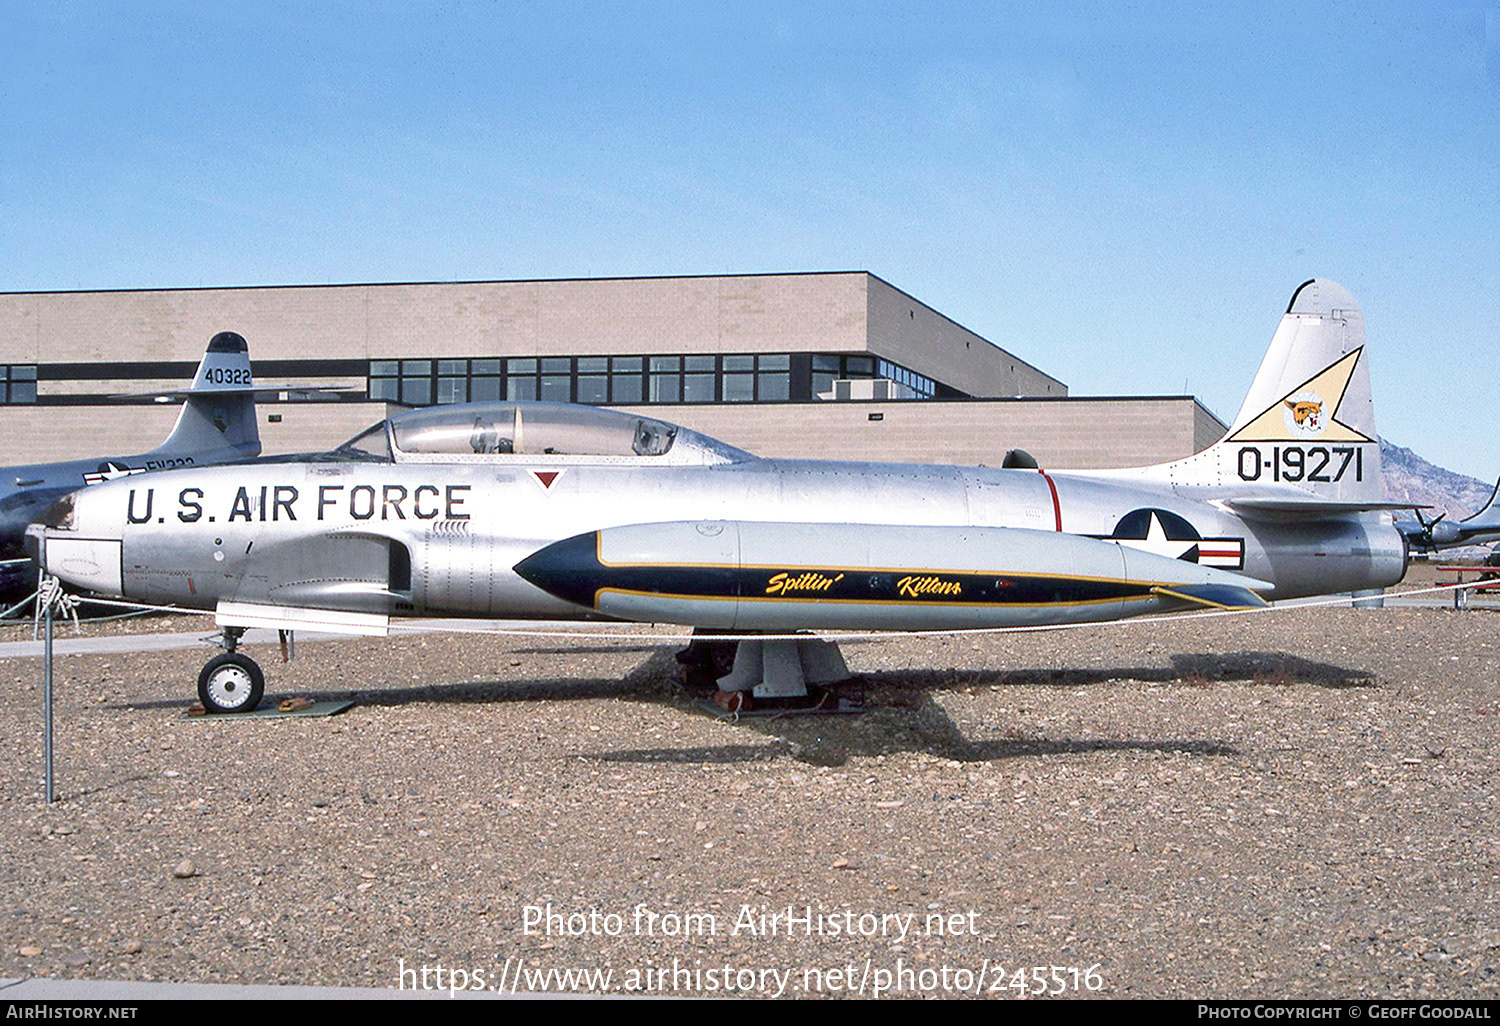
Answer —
840 365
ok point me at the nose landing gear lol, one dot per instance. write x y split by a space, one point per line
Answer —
231 683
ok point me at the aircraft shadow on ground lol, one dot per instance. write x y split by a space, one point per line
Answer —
1187 668
902 714
899 717
459 692
831 753
896 719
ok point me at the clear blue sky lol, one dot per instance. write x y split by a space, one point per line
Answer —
1125 195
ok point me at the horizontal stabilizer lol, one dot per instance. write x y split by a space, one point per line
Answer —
1213 596
250 390
1311 508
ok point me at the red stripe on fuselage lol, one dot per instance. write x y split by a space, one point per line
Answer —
1056 506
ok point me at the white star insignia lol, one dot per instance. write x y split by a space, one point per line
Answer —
1157 542
115 470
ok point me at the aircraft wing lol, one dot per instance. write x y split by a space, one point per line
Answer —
286 618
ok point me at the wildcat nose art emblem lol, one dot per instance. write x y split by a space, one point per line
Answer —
1303 415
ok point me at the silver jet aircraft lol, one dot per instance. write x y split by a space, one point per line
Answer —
216 425
551 511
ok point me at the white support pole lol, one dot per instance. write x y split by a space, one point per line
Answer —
47 698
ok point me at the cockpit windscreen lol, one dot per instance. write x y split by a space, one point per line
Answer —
371 445
531 429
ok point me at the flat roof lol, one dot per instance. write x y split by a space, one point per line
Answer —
457 281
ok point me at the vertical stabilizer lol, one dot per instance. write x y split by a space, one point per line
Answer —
1308 421
1313 383
217 421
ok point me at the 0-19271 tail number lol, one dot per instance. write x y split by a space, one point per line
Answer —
1317 463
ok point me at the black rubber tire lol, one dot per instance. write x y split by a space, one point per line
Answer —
231 683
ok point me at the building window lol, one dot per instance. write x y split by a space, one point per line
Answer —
773 378
825 370
405 381
453 381
385 380
828 367
520 379
763 379
923 386
484 380
593 380
626 379
599 380
18 383
699 379
665 381
557 379
416 382
739 379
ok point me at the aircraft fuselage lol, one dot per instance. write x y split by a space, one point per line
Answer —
440 538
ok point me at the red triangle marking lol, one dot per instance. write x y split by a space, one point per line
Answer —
546 477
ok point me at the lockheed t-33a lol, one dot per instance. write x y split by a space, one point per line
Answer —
534 510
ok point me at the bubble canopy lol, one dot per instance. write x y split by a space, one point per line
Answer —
468 432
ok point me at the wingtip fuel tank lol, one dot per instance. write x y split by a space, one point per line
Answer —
743 575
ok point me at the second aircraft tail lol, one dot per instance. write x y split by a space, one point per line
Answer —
218 410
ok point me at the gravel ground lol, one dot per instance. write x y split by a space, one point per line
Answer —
1298 804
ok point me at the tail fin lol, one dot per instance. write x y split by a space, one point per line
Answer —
1308 421
1482 527
1490 514
1312 385
218 410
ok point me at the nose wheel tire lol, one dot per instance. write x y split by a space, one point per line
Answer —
231 683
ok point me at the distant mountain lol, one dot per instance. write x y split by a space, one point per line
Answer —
1410 478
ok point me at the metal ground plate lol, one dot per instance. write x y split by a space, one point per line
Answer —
272 711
